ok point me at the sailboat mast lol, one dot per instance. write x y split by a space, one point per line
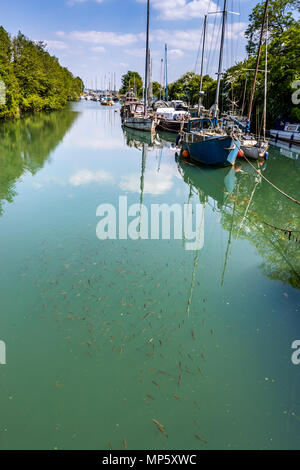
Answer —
161 73
266 82
202 60
166 64
257 61
147 59
221 59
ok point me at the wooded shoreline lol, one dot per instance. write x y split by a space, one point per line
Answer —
31 79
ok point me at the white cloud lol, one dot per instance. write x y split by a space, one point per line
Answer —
76 2
176 52
84 177
182 9
155 183
102 37
98 49
58 45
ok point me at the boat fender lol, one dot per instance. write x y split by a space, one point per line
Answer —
178 139
266 155
240 153
185 154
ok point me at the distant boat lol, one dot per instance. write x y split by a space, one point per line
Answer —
129 103
142 121
172 120
107 100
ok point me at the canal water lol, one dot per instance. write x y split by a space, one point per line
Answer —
103 336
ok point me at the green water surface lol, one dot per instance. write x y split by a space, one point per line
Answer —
102 337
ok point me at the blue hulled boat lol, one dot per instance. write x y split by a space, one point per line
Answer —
205 140
208 144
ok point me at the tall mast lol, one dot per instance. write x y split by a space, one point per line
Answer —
150 78
164 84
257 61
147 59
166 65
161 72
266 82
202 60
221 59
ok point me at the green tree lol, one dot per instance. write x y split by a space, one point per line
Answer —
187 88
34 80
156 89
10 107
132 80
280 18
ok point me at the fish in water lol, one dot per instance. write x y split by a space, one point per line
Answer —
176 396
200 438
125 443
150 396
157 423
155 383
160 427
179 380
163 372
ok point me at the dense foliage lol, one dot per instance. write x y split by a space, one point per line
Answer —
132 80
283 65
187 88
34 80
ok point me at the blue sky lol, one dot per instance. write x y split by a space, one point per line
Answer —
95 38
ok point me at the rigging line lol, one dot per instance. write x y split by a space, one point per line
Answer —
201 38
215 54
273 185
228 245
276 246
198 53
212 37
247 208
195 265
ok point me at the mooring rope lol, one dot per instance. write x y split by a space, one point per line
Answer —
232 197
273 185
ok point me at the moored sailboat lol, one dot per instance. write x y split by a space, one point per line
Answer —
205 140
140 118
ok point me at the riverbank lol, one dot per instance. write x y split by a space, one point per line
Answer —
31 79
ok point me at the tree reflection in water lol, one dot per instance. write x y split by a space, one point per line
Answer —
26 144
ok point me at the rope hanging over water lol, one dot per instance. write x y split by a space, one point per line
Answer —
273 185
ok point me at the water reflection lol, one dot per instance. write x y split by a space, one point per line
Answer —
159 177
248 207
26 144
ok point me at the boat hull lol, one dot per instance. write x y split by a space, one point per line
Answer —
216 151
286 135
254 152
171 126
141 124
